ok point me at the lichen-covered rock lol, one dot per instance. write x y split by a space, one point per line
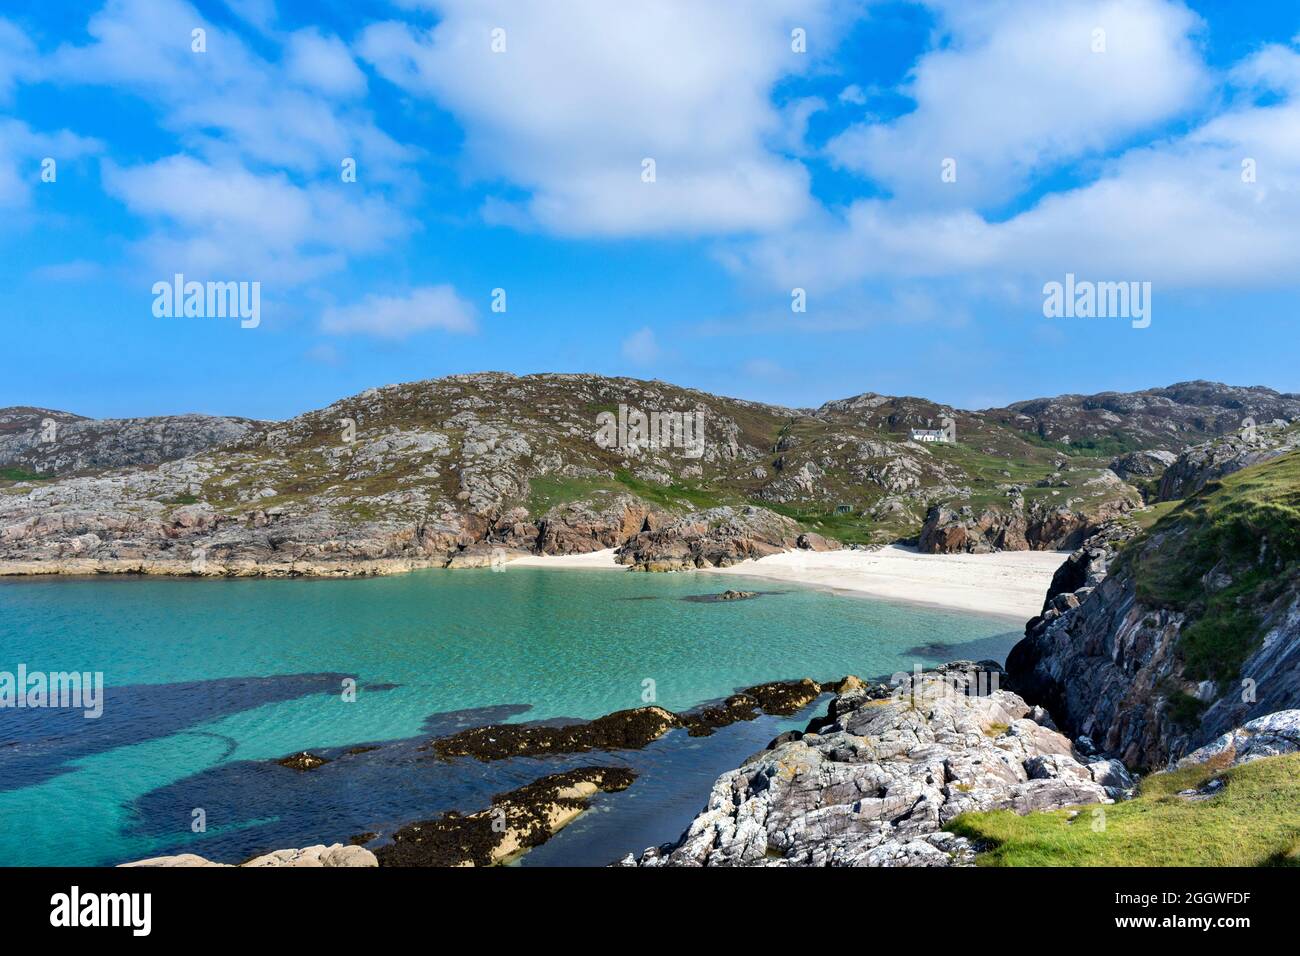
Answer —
875 782
1269 736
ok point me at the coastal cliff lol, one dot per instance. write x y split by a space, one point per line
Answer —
1153 642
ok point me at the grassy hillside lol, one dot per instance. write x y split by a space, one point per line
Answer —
1245 531
1253 821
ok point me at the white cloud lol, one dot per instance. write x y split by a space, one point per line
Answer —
853 94
398 317
259 13
21 151
587 89
320 62
229 102
1016 89
1176 213
641 347
256 189
225 220
16 55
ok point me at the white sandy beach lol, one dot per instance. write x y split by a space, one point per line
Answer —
1008 583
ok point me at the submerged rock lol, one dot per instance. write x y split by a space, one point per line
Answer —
302 761
727 595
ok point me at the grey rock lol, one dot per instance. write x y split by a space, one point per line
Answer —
875 781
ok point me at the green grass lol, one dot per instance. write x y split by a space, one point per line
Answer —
1106 446
1254 821
672 496
851 528
18 474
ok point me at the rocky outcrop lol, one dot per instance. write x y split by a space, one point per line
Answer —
1167 418
1269 736
46 442
336 854
719 537
875 781
579 527
1041 526
625 729
1196 467
1142 465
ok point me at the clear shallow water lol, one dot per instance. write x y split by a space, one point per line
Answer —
210 680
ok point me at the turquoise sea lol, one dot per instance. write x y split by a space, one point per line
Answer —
209 681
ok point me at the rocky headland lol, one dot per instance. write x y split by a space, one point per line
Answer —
875 781
1153 641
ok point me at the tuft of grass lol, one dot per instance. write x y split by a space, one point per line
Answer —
1253 821
995 730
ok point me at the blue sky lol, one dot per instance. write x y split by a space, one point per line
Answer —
1104 139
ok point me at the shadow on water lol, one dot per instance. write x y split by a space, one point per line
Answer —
994 648
252 807
38 744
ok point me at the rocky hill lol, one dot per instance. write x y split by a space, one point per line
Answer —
1111 423
460 469
42 442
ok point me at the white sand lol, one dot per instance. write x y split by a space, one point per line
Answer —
1008 583
593 561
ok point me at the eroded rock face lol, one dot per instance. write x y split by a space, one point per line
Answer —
582 526
875 782
719 537
336 854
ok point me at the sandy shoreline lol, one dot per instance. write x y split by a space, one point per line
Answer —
1008 583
